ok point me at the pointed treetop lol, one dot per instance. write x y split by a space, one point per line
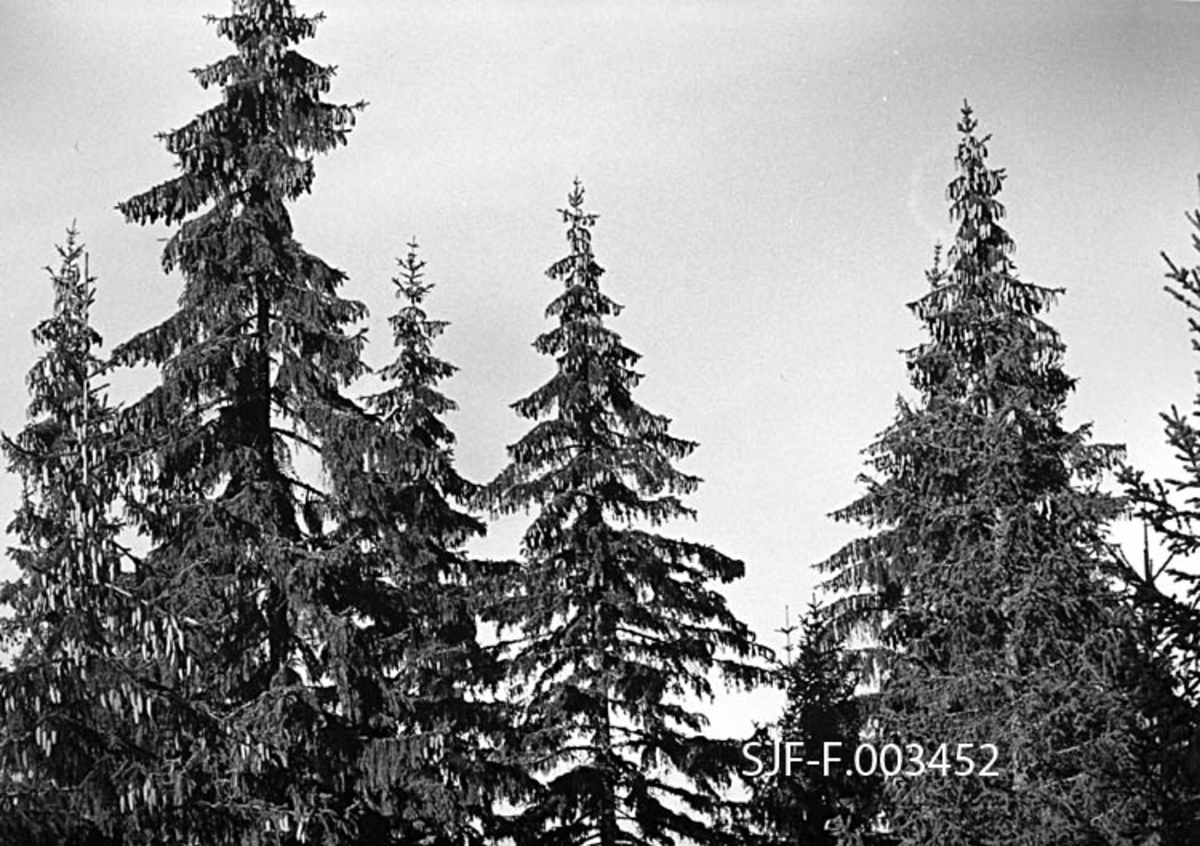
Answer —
409 285
967 123
578 268
972 200
256 145
787 630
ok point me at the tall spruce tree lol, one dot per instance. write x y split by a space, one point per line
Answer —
75 723
417 677
267 739
985 572
1166 600
619 628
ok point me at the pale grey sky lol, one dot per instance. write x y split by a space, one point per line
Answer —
770 178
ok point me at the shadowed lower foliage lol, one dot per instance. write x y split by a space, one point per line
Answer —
1166 603
616 629
77 733
320 694
827 804
983 579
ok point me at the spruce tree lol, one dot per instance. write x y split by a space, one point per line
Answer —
1166 600
420 683
262 737
75 719
618 629
802 804
985 574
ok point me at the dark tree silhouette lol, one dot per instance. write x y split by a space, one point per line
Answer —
619 628
312 707
1166 603
803 805
76 725
984 575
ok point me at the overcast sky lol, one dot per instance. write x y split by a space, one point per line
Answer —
770 181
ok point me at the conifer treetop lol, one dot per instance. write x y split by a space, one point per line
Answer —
412 663
415 368
990 359
977 306
981 576
618 629
589 401
254 364
60 454
75 706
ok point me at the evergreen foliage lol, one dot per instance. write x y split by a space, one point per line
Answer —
809 806
319 705
1168 615
985 572
420 677
252 365
618 628
75 721
296 658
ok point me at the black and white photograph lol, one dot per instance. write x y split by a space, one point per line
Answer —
623 423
